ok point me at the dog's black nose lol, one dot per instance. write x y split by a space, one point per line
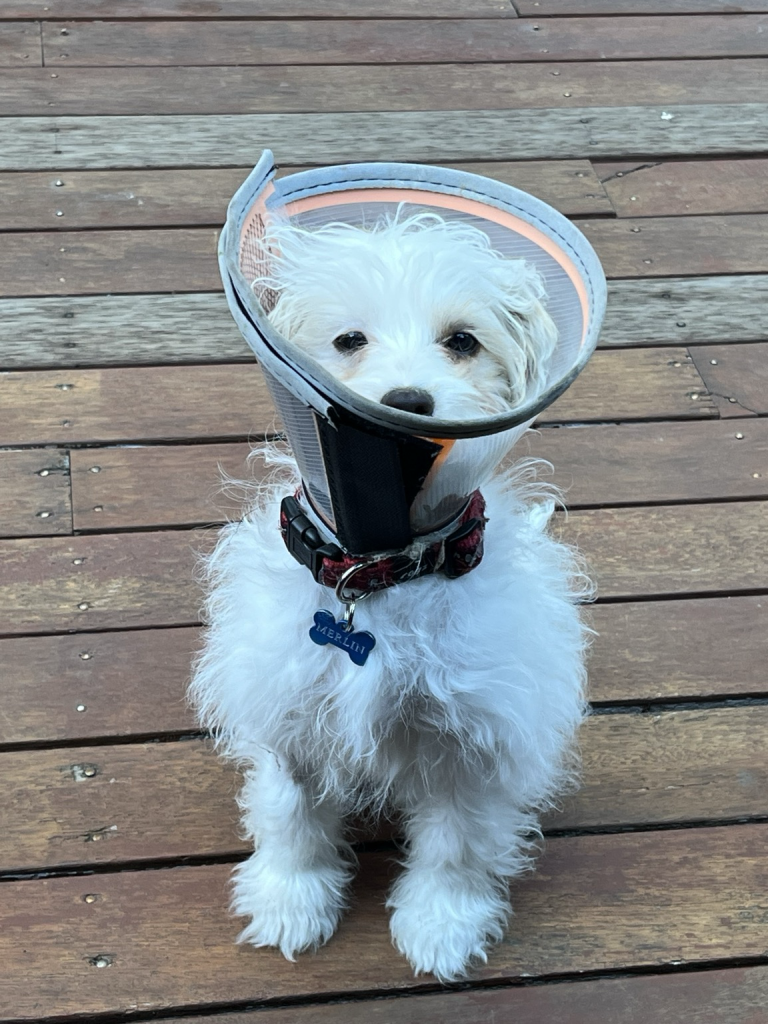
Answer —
410 400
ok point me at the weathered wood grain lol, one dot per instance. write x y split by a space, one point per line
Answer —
132 580
34 493
220 402
20 44
684 310
305 89
208 9
595 903
673 549
96 685
94 262
42 263
548 8
353 41
104 582
177 485
665 246
122 199
664 650
133 683
737 376
737 995
99 143
88 805
119 330
686 187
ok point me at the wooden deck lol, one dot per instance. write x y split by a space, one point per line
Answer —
127 125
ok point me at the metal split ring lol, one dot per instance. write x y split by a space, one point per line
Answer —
350 603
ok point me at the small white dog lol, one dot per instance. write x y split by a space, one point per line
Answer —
463 717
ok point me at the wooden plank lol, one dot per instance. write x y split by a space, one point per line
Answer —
548 8
737 376
305 89
98 143
664 650
686 187
133 580
221 402
737 995
44 263
672 549
96 684
92 262
184 259
664 246
160 486
595 903
115 329
133 683
20 44
34 493
88 805
353 41
123 199
685 310
57 9
104 582
180 485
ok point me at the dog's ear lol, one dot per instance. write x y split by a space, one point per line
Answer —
531 330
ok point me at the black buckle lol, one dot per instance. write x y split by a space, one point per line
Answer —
303 540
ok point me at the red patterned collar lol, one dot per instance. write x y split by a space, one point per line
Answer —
454 556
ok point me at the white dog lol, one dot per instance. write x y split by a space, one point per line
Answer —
463 717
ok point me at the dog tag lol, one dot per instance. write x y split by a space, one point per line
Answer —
327 630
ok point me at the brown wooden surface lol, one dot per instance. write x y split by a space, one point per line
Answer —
183 260
594 904
50 9
216 402
148 579
653 247
695 549
662 650
643 651
738 372
126 683
171 198
20 45
236 90
737 996
34 493
88 805
548 8
108 43
596 465
686 187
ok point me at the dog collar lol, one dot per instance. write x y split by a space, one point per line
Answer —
453 556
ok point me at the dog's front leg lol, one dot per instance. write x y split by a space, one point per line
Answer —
292 887
465 837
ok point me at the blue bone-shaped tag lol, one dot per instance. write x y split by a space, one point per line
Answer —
327 630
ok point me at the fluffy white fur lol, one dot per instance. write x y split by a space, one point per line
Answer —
463 718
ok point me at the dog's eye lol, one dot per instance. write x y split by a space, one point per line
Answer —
351 341
462 343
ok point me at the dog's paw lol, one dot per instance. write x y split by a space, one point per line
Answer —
443 926
293 910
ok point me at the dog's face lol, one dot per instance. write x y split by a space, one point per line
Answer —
417 313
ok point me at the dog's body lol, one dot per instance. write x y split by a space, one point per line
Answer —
461 720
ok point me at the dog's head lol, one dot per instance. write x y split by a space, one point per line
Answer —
416 313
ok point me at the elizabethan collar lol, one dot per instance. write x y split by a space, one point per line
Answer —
377 478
